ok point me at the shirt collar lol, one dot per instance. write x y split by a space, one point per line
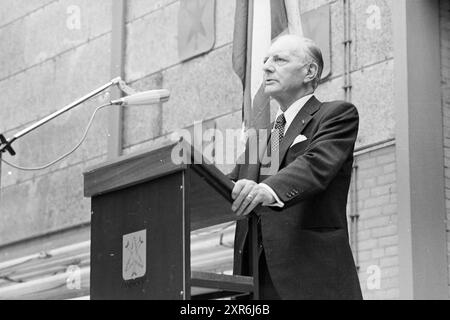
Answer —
293 110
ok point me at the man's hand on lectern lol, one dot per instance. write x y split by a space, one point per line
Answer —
247 195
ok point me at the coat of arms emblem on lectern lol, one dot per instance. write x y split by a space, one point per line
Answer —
134 255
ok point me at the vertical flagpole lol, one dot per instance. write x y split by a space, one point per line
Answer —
294 17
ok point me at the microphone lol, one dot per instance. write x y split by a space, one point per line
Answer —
143 98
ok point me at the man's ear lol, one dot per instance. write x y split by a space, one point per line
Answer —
312 71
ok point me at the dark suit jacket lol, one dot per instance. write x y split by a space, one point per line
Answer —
306 243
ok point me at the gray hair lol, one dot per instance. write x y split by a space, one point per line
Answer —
312 51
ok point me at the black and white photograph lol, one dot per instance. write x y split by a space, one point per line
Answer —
242 151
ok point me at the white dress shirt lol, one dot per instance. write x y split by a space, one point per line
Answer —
290 115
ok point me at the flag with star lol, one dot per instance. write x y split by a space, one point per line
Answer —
196 28
257 24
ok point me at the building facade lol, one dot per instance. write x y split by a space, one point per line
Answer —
391 58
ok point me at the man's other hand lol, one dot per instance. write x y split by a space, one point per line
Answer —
247 195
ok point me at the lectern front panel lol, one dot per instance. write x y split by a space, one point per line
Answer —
137 241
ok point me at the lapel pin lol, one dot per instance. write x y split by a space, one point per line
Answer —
303 121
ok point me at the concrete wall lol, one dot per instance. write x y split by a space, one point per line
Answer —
201 89
48 59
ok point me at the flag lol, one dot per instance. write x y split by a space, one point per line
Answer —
196 28
257 24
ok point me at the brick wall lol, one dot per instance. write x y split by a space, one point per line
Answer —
377 239
445 56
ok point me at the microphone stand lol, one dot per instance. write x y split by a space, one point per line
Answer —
5 144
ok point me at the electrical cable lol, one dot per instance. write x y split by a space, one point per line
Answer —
66 154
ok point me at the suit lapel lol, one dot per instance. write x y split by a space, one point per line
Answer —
298 125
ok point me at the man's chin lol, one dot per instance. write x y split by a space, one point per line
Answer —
270 89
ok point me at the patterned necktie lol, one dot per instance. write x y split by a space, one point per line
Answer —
278 133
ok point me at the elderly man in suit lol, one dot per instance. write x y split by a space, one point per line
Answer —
304 244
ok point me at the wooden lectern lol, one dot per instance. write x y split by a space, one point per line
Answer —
144 208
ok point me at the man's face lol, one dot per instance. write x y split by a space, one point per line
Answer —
284 70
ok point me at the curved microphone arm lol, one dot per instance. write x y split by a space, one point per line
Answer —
5 144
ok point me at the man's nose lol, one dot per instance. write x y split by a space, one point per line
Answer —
268 67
